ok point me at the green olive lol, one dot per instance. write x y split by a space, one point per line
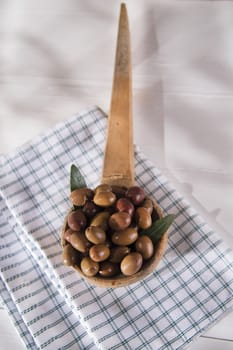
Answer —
89 267
101 220
144 246
79 241
99 252
108 269
69 255
143 218
118 253
95 234
125 237
104 199
131 264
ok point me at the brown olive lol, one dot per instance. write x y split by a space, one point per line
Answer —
95 234
68 234
118 253
119 221
76 220
104 199
148 204
108 243
79 241
131 263
119 191
103 188
99 252
124 204
135 194
144 246
69 255
80 196
89 267
143 218
125 237
101 220
108 269
90 209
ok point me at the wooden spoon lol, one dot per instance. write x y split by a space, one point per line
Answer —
118 167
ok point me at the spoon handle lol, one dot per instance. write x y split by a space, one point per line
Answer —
118 167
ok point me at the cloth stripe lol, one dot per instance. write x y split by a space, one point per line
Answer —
41 316
21 327
191 289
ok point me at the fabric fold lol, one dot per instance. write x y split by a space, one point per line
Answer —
40 314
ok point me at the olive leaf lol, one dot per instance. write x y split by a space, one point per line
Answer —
76 179
158 228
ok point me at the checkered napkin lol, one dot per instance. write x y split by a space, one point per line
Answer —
52 306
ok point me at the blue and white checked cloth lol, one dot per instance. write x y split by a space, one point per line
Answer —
52 307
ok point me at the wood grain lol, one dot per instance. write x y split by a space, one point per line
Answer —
118 167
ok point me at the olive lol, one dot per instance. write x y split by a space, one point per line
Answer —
103 188
80 196
118 253
135 194
111 210
119 191
108 269
123 204
79 241
99 252
69 255
148 204
90 209
108 243
143 218
155 216
68 234
131 263
125 237
119 221
101 220
76 220
144 246
102 234
104 199
89 267
95 234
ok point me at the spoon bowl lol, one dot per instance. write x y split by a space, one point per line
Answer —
121 280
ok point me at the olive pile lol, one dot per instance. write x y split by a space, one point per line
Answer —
103 230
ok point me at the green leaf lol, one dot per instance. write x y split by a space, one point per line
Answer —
158 228
76 179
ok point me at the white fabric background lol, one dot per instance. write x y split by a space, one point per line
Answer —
57 58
